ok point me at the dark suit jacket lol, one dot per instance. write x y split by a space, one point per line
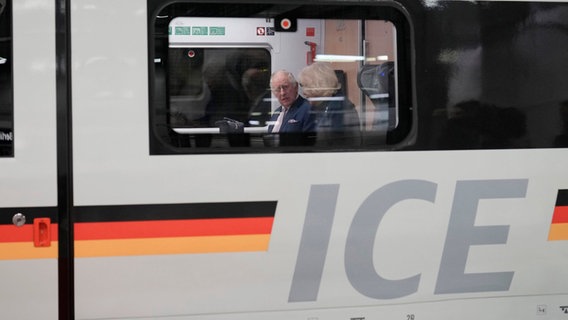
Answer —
338 122
299 118
298 126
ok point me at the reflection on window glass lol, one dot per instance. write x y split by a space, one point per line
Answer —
211 86
256 84
6 109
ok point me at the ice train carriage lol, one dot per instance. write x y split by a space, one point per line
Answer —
122 199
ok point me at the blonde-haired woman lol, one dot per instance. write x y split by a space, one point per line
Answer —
336 117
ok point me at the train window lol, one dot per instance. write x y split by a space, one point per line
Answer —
6 100
341 78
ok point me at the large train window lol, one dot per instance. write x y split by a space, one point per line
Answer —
6 101
239 78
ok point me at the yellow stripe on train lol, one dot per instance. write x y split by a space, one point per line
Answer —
27 250
558 231
177 245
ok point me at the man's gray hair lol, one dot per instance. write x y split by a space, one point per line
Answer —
289 74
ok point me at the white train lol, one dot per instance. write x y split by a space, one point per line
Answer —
140 178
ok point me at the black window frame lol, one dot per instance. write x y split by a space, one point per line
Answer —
401 136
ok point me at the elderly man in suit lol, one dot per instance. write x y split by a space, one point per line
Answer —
293 120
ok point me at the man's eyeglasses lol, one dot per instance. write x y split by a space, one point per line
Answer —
280 88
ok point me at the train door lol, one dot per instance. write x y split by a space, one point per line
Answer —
28 166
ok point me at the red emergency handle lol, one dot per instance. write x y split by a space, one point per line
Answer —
311 55
42 232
